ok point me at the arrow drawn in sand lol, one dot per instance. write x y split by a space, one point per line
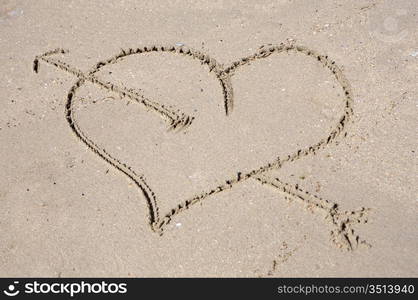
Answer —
342 222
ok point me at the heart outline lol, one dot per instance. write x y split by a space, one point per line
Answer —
223 74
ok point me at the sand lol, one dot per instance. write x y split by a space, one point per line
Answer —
268 139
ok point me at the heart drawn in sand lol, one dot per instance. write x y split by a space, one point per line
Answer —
178 121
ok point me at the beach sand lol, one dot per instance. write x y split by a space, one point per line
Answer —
208 138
